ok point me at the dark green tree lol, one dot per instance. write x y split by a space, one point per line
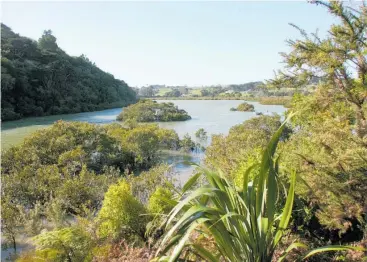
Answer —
41 79
48 41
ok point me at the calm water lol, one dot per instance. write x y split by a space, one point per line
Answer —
212 115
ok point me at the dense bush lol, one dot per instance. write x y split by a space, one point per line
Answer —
121 214
244 107
147 182
159 201
243 145
240 224
41 79
77 161
67 244
152 111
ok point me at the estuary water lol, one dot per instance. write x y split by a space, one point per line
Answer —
212 115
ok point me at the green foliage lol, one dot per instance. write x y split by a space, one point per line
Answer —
187 144
201 134
196 97
148 91
330 158
151 111
76 162
160 202
143 143
67 244
11 221
173 93
147 182
48 41
242 147
244 107
329 148
121 214
56 213
245 225
41 79
32 220
333 59
218 92
280 100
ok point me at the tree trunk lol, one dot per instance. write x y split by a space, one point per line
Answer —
14 244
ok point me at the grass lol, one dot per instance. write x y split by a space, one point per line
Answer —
192 91
196 91
163 91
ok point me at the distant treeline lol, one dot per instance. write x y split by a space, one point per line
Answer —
197 98
250 89
38 78
265 100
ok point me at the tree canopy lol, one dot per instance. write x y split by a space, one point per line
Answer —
77 161
39 78
244 107
151 111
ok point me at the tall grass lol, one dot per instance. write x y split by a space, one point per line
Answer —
246 224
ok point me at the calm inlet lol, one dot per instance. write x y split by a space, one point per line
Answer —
212 115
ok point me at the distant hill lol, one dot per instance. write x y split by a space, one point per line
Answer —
245 90
38 78
212 90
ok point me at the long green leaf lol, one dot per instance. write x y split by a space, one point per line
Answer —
287 211
204 253
266 163
290 248
177 250
333 248
188 185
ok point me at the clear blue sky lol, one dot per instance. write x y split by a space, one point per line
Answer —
172 43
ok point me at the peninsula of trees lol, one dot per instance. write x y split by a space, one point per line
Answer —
147 110
38 78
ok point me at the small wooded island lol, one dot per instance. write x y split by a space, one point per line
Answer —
147 110
244 107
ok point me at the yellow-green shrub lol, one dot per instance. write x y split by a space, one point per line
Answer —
161 201
121 213
67 244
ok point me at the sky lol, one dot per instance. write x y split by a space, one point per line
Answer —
172 43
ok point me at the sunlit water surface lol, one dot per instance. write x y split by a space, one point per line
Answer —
212 115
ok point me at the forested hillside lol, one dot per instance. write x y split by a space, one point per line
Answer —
39 78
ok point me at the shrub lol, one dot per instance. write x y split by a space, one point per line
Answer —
160 202
121 213
150 111
147 182
187 144
67 244
244 107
